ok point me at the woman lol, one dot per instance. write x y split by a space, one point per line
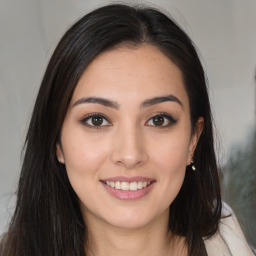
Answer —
119 155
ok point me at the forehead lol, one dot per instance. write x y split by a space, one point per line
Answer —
131 73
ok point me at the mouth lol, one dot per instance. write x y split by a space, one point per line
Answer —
128 186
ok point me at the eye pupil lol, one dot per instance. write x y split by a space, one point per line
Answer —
97 120
158 120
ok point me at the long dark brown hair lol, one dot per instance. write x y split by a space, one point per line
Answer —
47 219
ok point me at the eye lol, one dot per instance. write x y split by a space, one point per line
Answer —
95 121
161 120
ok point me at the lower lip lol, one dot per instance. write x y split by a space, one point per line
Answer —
128 194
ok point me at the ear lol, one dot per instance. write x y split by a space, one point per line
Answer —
195 138
59 153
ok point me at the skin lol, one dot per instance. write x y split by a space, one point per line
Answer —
129 143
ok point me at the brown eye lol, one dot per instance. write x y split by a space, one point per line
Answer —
158 120
95 121
161 121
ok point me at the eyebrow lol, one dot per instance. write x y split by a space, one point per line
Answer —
115 105
102 101
157 100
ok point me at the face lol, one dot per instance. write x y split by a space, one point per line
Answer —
126 139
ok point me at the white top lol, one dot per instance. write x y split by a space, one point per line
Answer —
230 240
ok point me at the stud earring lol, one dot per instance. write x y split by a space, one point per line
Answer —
192 165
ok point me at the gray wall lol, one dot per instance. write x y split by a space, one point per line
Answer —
224 31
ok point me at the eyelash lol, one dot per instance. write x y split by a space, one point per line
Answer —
90 116
169 118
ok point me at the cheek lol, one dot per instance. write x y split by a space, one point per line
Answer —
170 162
170 153
83 160
83 156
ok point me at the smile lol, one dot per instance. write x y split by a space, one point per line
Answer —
126 186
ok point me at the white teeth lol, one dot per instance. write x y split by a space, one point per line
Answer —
125 186
133 186
118 185
139 186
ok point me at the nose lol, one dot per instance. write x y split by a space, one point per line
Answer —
129 149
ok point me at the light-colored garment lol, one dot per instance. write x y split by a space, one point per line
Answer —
230 240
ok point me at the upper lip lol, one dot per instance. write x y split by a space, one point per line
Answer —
129 179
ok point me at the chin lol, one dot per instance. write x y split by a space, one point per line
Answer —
130 223
136 219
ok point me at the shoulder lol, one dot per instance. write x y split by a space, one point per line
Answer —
229 240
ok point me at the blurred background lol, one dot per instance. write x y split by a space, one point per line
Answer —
224 33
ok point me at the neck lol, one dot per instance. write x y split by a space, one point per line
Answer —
150 240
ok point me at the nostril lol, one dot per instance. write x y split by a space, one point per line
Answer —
129 162
129 152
